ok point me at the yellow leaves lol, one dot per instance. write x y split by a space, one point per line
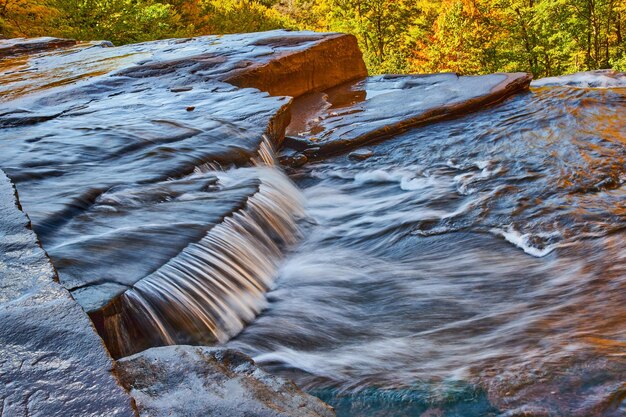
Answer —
461 34
26 18
232 16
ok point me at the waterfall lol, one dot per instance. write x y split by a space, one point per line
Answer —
214 287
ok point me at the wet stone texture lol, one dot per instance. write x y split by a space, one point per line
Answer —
104 143
588 79
109 178
52 362
378 107
216 383
279 62
18 46
117 154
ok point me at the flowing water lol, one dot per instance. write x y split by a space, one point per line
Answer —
469 267
214 286
209 291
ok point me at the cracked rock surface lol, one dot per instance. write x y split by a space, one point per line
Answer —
52 362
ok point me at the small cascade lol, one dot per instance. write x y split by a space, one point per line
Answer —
214 287
266 154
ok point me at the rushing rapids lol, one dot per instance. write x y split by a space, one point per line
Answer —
469 266
209 291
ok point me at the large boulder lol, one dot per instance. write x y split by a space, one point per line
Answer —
52 362
191 381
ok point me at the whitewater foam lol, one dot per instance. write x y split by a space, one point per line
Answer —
524 240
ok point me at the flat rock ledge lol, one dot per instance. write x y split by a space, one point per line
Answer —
211 382
52 362
379 107
93 136
588 79
19 46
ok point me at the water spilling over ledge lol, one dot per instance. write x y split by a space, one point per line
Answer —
103 162
471 266
208 292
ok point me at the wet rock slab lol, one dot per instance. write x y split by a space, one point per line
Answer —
215 382
378 107
137 227
52 362
10 47
279 62
103 143
588 79
109 177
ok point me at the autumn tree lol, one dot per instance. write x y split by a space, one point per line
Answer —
26 18
120 21
465 36
381 27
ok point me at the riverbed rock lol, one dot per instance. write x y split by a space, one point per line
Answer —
211 382
361 154
52 362
103 143
280 62
19 46
381 106
589 79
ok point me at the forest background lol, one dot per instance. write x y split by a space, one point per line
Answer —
544 37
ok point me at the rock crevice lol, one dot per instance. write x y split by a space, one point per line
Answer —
52 362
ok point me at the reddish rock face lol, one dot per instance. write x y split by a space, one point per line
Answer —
323 65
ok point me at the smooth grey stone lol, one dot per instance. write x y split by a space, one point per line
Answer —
196 381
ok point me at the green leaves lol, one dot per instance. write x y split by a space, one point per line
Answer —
120 21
